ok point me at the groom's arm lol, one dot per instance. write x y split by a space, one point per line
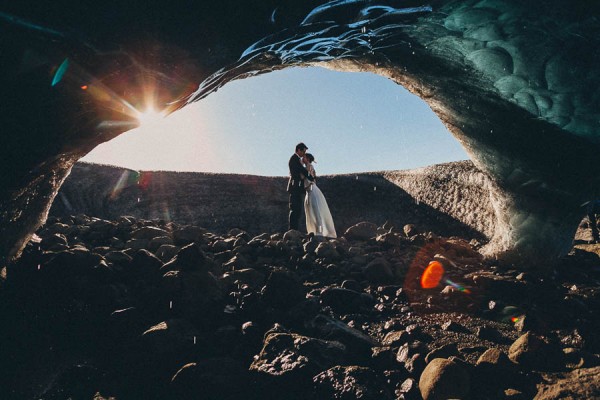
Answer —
297 168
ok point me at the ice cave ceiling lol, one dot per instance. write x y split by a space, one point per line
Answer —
515 82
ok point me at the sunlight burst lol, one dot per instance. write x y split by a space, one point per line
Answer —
150 117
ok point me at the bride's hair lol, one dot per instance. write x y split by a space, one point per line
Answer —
310 157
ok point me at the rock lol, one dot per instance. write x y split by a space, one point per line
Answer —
187 235
248 276
145 265
445 351
361 231
491 334
169 341
383 357
341 301
166 252
395 338
192 294
352 382
137 244
54 242
578 384
443 379
415 364
148 233
454 327
389 240
408 350
530 351
494 357
189 258
359 344
326 250
283 290
296 358
409 390
157 242
118 257
211 379
379 271
410 230
292 235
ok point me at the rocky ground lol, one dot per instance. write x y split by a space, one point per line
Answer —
140 309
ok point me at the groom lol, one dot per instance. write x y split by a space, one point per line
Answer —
295 185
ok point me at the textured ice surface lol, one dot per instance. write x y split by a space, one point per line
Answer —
335 30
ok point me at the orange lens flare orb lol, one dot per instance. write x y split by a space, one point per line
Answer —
432 275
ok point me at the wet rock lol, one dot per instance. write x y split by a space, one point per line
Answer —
443 379
578 384
348 383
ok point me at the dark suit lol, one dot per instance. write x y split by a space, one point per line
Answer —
295 188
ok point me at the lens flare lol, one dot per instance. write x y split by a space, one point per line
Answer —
457 286
150 117
432 275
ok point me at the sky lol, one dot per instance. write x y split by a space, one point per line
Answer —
351 122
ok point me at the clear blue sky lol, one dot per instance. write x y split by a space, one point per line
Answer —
351 122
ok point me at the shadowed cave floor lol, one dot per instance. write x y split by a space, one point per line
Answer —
132 309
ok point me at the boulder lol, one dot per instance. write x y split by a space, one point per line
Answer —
296 358
361 231
443 379
578 384
348 383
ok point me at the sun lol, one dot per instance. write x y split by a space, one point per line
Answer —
150 117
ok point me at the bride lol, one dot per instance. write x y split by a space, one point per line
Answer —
318 217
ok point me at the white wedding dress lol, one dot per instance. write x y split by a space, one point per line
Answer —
318 216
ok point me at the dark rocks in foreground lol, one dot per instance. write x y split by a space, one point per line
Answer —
131 308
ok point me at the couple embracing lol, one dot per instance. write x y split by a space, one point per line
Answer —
303 190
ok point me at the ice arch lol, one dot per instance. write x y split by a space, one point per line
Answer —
515 82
